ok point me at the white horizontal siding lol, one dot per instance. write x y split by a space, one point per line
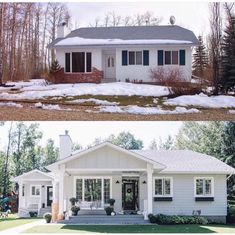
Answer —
184 201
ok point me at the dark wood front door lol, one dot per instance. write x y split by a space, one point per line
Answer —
49 195
129 197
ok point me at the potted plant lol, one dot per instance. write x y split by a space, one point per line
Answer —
108 210
111 202
47 217
75 210
33 214
73 200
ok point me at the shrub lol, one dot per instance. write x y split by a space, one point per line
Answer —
176 219
111 201
231 214
73 200
55 67
33 214
108 210
75 210
47 217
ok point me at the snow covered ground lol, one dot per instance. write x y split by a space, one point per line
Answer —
41 90
134 109
203 101
92 100
51 107
11 104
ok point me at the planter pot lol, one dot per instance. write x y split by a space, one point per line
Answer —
48 220
74 213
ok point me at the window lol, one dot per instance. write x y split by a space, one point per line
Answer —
78 62
204 187
67 62
167 57
79 189
139 57
81 62
163 187
131 57
106 190
175 57
171 57
35 190
92 189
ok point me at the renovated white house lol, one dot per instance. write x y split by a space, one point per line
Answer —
108 54
171 182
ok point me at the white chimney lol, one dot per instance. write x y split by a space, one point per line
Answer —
62 30
65 145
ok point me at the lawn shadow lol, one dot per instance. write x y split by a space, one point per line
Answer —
138 228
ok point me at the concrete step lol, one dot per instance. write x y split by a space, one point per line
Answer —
92 212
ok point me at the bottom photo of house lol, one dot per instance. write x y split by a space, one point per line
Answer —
173 177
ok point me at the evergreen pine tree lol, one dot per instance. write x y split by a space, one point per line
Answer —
55 66
228 57
200 62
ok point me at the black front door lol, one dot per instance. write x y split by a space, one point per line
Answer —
129 197
49 195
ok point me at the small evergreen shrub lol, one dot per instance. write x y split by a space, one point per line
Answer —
111 201
75 210
47 217
55 67
176 219
33 214
73 200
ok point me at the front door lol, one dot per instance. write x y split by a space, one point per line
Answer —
129 197
110 66
49 195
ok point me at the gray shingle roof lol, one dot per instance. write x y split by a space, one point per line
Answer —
187 161
168 32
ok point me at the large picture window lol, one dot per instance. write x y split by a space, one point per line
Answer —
204 187
93 189
163 187
35 190
78 62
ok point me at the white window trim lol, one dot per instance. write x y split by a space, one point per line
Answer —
171 186
212 186
35 185
71 63
92 177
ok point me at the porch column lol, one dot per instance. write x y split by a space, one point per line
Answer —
61 191
55 201
149 188
20 183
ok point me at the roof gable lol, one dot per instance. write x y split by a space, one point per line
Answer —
107 144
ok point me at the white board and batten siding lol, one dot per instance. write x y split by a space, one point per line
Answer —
184 199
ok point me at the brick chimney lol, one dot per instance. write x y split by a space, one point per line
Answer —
65 145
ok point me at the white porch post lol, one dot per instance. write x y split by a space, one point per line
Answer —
20 183
61 189
55 194
149 188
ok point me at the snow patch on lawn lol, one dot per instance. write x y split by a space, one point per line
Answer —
203 100
51 107
11 104
134 109
108 89
92 100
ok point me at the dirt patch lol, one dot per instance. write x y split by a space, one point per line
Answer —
29 114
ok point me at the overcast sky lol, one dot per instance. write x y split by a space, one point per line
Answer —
192 15
85 132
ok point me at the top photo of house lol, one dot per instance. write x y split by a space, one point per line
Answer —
107 61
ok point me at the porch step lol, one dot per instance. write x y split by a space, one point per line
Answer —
104 219
91 212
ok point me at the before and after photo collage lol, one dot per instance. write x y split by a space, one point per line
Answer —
117 117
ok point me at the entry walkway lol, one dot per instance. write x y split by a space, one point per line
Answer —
22 228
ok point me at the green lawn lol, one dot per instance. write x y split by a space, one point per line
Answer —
132 229
12 221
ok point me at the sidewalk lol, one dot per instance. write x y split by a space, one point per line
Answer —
21 228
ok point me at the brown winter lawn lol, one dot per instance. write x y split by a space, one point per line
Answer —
31 114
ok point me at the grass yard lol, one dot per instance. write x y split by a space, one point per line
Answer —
12 221
132 229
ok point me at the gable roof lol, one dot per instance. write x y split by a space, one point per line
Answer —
44 175
187 161
164 34
81 153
